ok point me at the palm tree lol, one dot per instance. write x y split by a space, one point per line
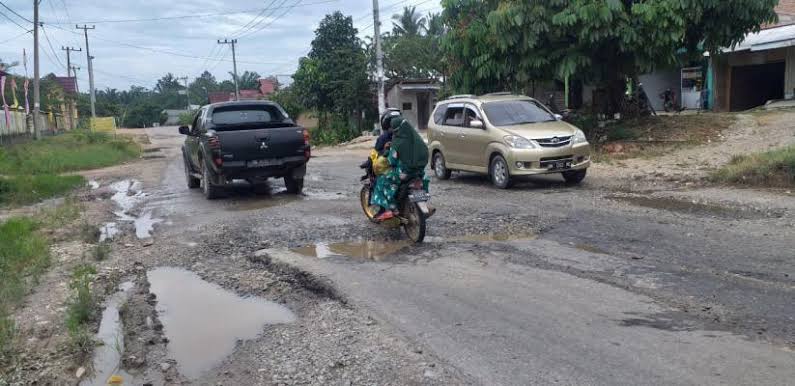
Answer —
408 23
434 24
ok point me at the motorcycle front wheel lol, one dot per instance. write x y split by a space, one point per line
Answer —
415 221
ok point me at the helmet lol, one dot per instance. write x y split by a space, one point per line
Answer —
387 116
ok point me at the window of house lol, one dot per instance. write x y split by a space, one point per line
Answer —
407 106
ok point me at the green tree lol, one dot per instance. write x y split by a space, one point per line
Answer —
201 87
168 83
498 45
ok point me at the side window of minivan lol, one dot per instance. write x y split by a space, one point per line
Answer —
454 116
438 114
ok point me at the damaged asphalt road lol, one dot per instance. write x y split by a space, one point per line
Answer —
540 284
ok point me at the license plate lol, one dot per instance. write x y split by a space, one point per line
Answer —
419 196
561 165
259 163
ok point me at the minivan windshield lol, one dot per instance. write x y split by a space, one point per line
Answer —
255 115
516 112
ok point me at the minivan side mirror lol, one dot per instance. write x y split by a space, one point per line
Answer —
184 130
476 124
558 117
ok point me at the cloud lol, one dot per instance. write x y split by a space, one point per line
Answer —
270 45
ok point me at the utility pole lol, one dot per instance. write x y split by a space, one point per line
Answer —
93 96
36 89
187 91
69 75
233 42
75 69
379 58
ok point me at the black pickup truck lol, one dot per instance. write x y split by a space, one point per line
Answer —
245 140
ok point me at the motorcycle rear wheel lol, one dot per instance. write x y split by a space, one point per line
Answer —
415 221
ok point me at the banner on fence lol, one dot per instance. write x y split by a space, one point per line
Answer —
105 125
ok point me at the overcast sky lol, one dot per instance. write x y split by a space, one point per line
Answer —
139 53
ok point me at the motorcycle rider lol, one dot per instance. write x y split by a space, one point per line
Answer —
408 156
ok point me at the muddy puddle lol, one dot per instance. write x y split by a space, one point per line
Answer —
204 322
688 207
362 250
107 356
127 195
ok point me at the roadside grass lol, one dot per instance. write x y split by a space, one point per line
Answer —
76 150
30 172
775 168
81 309
28 189
24 256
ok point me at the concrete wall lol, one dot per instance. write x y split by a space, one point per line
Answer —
396 97
657 82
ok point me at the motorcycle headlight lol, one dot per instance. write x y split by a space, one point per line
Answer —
579 137
518 142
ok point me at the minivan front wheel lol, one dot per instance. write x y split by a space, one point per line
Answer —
440 168
499 172
574 177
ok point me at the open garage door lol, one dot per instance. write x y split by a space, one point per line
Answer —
754 85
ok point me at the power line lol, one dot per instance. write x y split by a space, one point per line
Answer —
193 16
173 53
15 37
274 20
13 21
250 22
15 13
47 37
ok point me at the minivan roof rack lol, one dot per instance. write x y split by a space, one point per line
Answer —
462 96
499 93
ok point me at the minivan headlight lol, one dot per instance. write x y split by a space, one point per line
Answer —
518 142
579 137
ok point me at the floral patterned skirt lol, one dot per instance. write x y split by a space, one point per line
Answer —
386 188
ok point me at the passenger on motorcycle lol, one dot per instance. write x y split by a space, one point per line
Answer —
408 156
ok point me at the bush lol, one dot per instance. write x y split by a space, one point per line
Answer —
333 130
186 119
775 168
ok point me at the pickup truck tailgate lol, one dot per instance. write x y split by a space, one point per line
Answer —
259 144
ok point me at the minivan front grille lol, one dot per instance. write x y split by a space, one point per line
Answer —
554 141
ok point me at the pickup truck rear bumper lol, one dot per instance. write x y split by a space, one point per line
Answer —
245 170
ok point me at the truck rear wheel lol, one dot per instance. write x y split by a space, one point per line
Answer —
211 191
294 185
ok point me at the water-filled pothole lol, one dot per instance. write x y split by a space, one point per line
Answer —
107 356
203 321
366 250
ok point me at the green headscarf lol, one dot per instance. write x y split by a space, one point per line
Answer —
411 149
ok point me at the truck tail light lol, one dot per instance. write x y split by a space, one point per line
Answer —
214 142
307 151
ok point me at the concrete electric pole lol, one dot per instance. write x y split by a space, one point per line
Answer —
90 59
379 58
233 42
69 75
36 89
75 69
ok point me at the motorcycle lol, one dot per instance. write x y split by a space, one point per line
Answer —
414 206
